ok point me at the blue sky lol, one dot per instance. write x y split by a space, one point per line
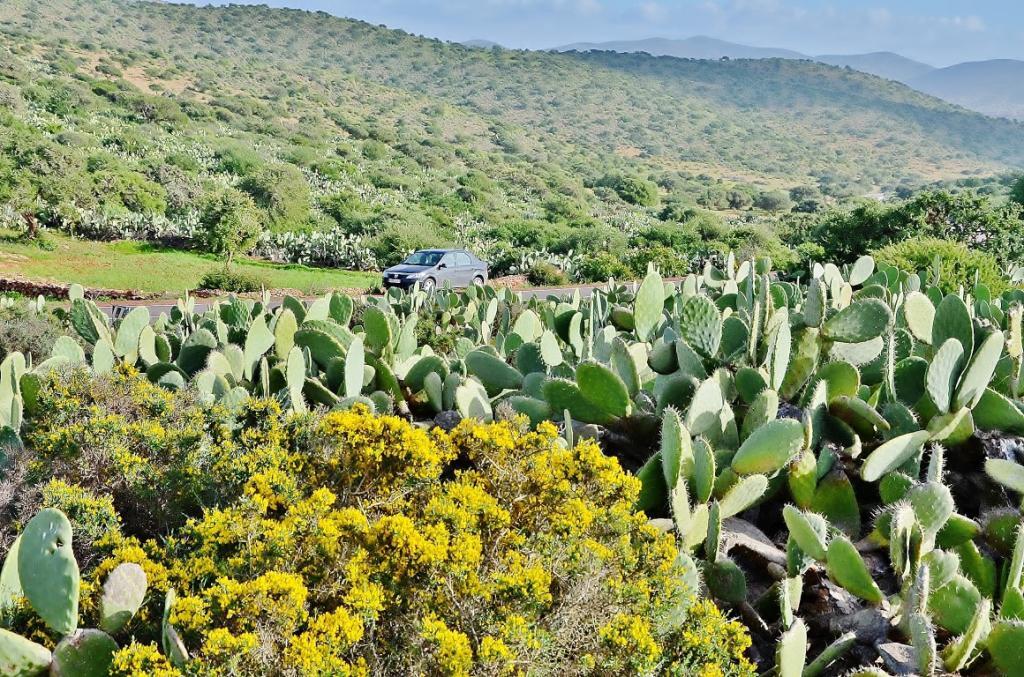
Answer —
940 32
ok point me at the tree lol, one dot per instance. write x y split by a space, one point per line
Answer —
283 192
633 190
1017 192
773 201
230 224
738 199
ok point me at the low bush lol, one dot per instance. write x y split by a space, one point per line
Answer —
28 332
601 267
234 281
545 274
959 266
352 544
668 261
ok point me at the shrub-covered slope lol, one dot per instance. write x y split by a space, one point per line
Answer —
110 108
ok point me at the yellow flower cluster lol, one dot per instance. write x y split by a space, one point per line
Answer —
141 660
449 649
630 636
353 544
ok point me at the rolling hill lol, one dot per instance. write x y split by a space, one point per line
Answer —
883 64
994 87
697 47
115 107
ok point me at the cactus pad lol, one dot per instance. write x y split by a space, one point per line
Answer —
20 657
769 448
85 653
48 570
123 593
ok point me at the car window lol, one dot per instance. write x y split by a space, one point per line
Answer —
449 260
423 259
462 260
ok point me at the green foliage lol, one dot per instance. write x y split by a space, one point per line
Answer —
266 611
234 281
773 201
544 274
281 191
230 224
959 264
603 266
964 217
1017 192
26 331
119 120
633 190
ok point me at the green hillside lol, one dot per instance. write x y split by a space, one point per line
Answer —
112 109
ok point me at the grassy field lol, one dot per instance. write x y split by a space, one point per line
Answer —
149 268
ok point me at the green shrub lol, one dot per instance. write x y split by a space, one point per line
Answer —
238 158
282 192
230 224
349 543
958 264
544 274
27 332
668 261
633 190
1017 191
964 217
234 281
601 267
773 201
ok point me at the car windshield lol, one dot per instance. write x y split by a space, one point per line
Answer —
423 259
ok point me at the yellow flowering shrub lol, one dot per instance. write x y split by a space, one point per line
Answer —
352 544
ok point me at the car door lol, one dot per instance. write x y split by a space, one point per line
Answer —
465 268
448 270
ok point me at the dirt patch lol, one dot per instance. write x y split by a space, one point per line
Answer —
510 282
137 76
33 288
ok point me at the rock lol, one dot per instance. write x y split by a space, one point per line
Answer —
742 534
900 659
997 445
662 524
447 420
587 431
787 410
869 625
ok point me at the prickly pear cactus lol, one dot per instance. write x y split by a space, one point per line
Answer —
48 570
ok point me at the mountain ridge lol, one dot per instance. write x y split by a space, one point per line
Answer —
992 86
696 47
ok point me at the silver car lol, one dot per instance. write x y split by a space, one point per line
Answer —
432 268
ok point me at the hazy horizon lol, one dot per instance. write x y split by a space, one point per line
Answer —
940 32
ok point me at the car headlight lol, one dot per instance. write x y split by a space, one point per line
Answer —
414 276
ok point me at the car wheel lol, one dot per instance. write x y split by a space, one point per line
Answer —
479 281
428 284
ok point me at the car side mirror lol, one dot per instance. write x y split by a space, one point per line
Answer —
442 265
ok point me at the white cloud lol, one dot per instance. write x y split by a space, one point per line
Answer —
653 11
880 16
971 23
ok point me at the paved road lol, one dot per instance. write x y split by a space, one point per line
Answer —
117 310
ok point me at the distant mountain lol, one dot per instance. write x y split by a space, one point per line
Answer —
883 64
482 44
994 87
698 47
